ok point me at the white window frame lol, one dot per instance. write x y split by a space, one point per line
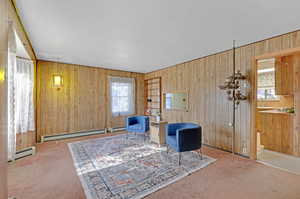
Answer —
115 97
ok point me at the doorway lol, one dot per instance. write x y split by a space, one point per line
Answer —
277 112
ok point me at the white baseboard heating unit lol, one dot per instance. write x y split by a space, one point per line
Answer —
25 152
71 135
116 129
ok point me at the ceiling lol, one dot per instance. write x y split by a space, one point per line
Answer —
146 35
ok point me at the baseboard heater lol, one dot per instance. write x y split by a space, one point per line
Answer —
25 152
116 129
71 135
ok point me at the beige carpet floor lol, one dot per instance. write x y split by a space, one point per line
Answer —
50 174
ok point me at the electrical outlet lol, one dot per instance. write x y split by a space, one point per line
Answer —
244 148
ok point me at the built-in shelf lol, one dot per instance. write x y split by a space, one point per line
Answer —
153 96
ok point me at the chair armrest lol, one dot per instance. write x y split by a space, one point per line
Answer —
145 121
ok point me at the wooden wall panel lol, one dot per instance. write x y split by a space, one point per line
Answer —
296 137
25 140
3 98
208 105
82 103
223 106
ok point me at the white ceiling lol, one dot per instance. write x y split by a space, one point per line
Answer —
146 35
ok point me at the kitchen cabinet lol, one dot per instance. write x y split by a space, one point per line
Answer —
277 131
284 75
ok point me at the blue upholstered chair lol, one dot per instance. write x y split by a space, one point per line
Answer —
184 137
137 124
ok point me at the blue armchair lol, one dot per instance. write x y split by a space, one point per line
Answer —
183 137
137 124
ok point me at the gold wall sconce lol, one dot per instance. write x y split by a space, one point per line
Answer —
57 81
2 76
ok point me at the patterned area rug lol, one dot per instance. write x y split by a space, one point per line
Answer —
116 167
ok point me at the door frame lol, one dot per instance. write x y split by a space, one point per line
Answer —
253 98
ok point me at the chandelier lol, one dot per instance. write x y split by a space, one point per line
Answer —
232 86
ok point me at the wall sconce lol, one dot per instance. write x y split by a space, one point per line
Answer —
57 81
2 76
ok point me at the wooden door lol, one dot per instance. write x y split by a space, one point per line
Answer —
284 75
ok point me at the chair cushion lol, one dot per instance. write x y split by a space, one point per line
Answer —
171 140
135 127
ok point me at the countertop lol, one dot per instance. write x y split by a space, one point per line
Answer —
276 112
267 107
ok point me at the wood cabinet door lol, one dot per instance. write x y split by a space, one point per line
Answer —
277 132
284 75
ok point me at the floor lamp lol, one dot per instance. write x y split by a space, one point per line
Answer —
232 86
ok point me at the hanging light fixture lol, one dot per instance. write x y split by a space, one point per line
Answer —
232 84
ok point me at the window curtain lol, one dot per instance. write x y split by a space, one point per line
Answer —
12 62
122 93
266 79
24 107
20 96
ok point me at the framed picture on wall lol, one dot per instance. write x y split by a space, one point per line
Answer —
176 101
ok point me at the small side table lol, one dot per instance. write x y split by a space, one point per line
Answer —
157 132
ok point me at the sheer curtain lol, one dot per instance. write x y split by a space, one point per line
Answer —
122 93
24 107
20 96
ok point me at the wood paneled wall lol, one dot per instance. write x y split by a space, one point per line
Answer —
208 105
296 137
83 103
3 98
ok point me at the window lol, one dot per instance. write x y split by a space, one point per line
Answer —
122 91
266 85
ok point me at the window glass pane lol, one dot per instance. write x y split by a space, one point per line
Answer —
114 90
124 90
266 86
123 104
260 93
122 96
115 104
